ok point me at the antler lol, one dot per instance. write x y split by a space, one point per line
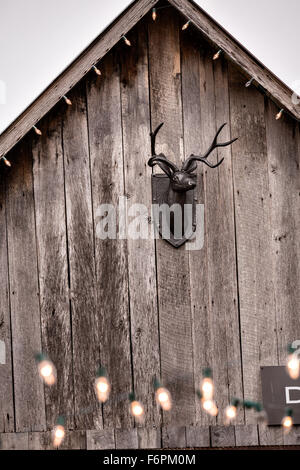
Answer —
160 159
188 164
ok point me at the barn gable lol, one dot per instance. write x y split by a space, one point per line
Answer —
139 307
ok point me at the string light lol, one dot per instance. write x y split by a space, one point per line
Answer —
210 407
37 131
249 83
7 162
136 408
162 396
58 433
217 54
186 25
207 386
154 14
287 421
46 369
127 42
231 410
67 100
102 385
293 364
279 115
96 70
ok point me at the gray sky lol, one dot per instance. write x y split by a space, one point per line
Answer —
38 39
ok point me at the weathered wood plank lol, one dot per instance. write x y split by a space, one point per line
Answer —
6 377
141 252
149 438
71 76
14 441
246 435
80 232
222 436
253 231
74 440
126 438
49 195
105 136
104 439
175 320
270 435
24 292
197 436
173 437
40 441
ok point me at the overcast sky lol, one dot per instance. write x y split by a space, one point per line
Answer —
38 39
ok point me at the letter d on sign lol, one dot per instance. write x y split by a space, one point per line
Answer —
287 395
2 352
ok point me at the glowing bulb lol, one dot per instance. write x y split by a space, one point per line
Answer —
154 14
287 422
67 100
58 435
47 371
37 131
230 412
137 410
293 366
96 70
7 163
217 54
163 398
249 83
210 407
279 115
127 42
186 25
207 388
102 387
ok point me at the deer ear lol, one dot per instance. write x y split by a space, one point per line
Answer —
191 166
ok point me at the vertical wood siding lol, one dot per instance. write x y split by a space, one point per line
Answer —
140 307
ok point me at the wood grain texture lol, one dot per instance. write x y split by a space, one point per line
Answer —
149 438
74 73
141 252
80 232
126 438
253 232
173 437
197 436
175 320
24 294
6 373
100 440
14 441
222 436
246 435
105 136
49 196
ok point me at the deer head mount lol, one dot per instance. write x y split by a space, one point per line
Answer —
178 190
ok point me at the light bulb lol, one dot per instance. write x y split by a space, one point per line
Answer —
58 435
96 70
287 422
137 410
67 100
102 387
207 388
217 54
127 42
37 131
210 407
230 412
293 366
279 115
47 371
154 14
7 162
249 83
186 25
163 398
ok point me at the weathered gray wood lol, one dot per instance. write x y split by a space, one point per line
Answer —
126 438
223 40
253 232
105 136
270 435
104 439
24 292
246 435
49 195
40 441
149 438
141 252
197 436
175 320
14 441
74 440
80 232
173 437
68 79
6 377
222 436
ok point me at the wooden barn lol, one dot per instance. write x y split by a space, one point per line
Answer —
141 307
